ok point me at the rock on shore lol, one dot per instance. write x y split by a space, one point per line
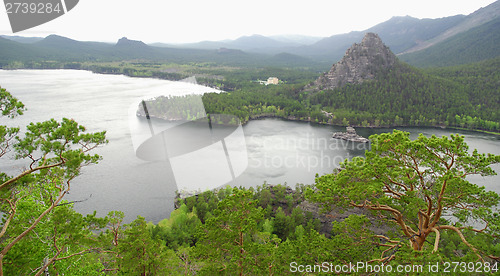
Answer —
350 135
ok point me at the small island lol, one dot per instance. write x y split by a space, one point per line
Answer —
173 108
350 135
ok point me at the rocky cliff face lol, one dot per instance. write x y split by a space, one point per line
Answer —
360 63
128 43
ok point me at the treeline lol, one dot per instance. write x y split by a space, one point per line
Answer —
256 102
245 78
246 98
131 69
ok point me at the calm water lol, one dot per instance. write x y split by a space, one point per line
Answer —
277 151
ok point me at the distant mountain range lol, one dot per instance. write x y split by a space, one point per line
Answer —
402 34
254 43
423 42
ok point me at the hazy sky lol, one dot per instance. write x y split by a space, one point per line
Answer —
196 20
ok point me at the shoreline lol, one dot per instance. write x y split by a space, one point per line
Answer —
263 116
294 119
257 117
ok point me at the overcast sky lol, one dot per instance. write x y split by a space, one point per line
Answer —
196 20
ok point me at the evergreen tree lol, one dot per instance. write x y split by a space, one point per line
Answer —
412 185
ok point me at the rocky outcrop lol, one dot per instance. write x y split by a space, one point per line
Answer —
361 62
125 42
337 214
350 135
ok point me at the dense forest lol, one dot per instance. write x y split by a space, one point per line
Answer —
409 96
406 207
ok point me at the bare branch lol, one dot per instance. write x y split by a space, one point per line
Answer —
439 205
13 208
33 225
453 228
385 238
44 267
76 254
436 242
30 171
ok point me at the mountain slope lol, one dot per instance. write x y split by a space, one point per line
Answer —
475 19
288 60
15 51
481 81
399 33
134 49
253 43
369 90
63 48
330 48
402 33
297 39
477 44
361 62
22 39
256 42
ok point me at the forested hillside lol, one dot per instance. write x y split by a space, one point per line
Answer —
477 44
481 82
405 95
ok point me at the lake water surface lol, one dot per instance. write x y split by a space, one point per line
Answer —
277 151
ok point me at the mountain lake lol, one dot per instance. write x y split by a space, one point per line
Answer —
271 151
